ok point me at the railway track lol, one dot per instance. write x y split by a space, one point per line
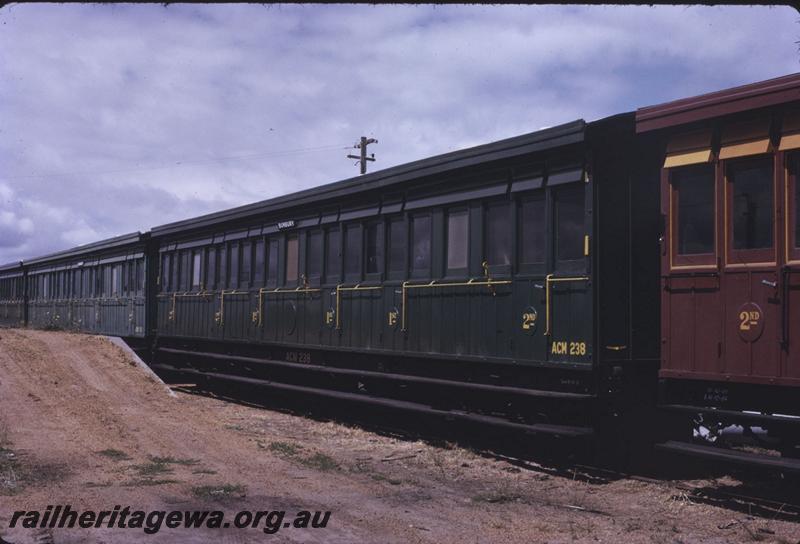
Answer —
753 496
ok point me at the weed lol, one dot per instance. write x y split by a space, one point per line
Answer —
116 455
173 461
284 448
320 461
382 478
148 482
497 496
152 469
219 492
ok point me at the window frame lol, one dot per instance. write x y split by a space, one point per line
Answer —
358 228
315 278
792 177
499 269
332 276
744 258
211 265
292 282
410 241
460 271
197 270
246 264
537 195
272 260
380 237
259 270
573 266
404 223
698 260
234 264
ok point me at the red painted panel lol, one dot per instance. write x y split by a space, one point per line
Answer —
766 350
707 349
681 327
736 289
792 353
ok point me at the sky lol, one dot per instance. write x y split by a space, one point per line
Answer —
121 117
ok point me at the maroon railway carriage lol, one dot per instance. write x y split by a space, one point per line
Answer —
730 267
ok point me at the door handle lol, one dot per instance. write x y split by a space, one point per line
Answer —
773 284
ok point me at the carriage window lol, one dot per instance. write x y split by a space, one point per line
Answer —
185 270
397 245
235 259
569 224
753 207
139 277
247 259
314 255
211 269
165 272
498 234
797 201
291 258
196 270
258 270
695 214
532 231
374 249
332 266
115 273
272 262
130 285
457 239
421 243
352 250
222 266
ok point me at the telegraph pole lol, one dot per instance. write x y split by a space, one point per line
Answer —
363 157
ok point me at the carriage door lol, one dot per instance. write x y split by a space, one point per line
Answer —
790 273
751 272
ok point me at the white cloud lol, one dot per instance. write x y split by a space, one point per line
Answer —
116 95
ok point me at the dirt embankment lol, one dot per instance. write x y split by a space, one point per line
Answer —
81 424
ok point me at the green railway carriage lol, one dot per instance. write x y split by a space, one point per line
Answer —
12 295
97 288
470 280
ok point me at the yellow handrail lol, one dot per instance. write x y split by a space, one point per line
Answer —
219 317
357 287
548 280
490 283
174 296
264 291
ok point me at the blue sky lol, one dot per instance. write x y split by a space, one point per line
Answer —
115 118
